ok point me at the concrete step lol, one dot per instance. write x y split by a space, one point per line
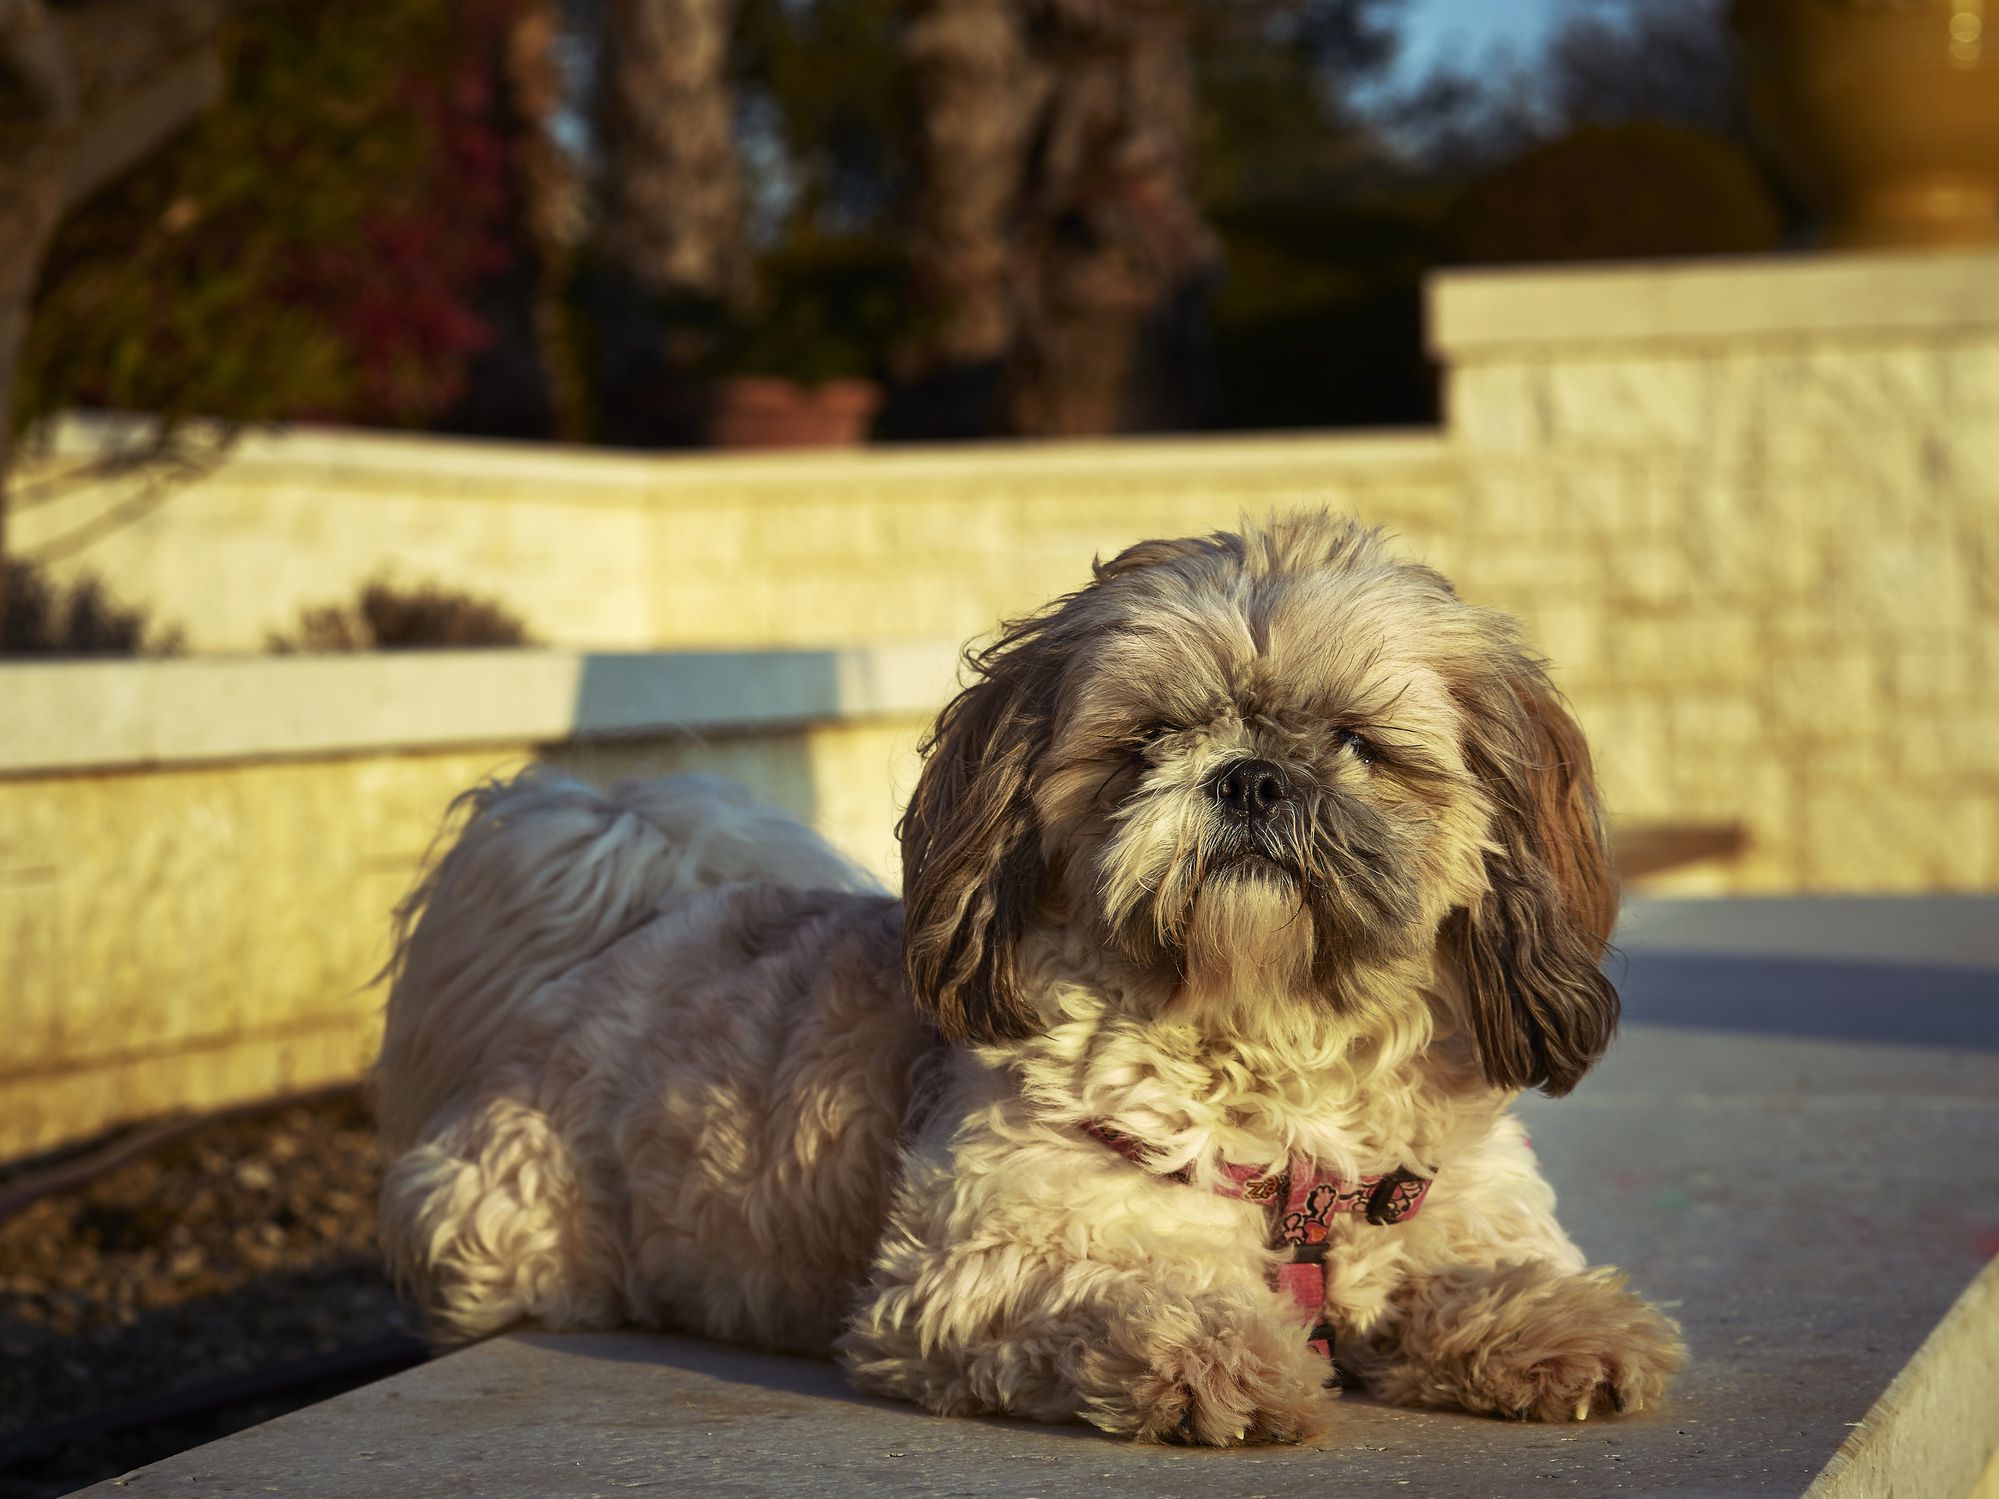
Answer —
1812 1190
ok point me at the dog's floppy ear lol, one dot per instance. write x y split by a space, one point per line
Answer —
1542 1011
971 848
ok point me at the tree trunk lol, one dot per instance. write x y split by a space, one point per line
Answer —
673 195
1056 237
1114 247
85 93
551 194
32 179
979 93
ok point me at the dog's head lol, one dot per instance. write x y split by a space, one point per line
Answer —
1262 767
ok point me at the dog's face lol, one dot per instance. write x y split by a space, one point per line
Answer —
1263 767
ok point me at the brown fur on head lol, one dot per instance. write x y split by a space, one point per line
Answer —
1427 795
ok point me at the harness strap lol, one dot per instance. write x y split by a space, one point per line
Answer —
1301 1202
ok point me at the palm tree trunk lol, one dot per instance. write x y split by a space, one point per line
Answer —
552 209
673 205
979 93
1113 243
1056 233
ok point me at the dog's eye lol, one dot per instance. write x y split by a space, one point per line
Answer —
1362 747
1150 735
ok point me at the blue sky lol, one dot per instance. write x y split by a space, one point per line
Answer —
1463 31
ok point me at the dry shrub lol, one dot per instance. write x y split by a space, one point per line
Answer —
46 618
391 617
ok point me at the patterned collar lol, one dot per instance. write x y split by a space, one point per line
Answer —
1302 1201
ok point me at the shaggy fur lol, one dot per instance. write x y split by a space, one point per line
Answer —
1260 846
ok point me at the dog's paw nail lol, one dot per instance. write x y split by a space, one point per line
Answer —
1582 1410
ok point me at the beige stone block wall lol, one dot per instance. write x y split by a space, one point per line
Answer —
292 521
1762 561
609 551
194 937
1749 512
947 547
1770 546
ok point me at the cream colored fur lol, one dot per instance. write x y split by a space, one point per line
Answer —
651 1056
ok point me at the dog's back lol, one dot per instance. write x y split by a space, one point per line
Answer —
546 871
560 981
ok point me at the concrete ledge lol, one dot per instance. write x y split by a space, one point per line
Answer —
466 468
198 857
1779 296
1811 1205
75 716
1946 1388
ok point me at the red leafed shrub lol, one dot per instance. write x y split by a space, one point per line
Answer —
313 246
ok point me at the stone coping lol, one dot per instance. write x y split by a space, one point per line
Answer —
1487 311
582 474
106 715
1816 1207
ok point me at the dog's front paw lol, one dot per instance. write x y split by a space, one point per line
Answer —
1213 1376
1534 1343
1213 1394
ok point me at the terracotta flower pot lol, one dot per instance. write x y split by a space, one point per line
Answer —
1886 110
757 411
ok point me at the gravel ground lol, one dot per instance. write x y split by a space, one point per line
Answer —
243 1246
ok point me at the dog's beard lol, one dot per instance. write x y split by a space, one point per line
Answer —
1248 935
1283 911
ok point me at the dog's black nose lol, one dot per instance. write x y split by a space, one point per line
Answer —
1250 788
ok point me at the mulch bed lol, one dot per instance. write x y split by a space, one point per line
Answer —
144 1311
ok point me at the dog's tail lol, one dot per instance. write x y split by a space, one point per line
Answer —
546 871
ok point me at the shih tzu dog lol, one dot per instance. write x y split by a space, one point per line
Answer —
1243 889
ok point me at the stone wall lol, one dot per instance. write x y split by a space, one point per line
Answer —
191 921
600 550
1750 511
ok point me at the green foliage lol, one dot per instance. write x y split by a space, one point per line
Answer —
830 307
1274 123
827 307
1319 317
828 87
45 618
308 247
391 617
200 282
827 94
1628 191
829 115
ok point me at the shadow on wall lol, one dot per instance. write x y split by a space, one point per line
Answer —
776 768
619 712
827 736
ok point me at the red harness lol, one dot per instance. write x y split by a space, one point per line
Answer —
1301 1201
